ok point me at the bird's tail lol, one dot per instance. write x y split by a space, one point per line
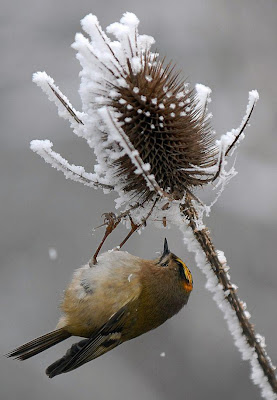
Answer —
64 364
39 344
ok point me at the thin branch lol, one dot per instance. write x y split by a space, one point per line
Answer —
253 98
66 105
65 109
70 171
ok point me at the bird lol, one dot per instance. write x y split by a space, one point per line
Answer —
119 298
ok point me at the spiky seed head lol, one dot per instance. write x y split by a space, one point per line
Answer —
162 119
149 132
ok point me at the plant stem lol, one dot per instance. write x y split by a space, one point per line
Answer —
204 239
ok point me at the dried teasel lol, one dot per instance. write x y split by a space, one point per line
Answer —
149 131
164 123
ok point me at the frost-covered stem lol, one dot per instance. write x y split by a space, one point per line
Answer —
204 239
71 171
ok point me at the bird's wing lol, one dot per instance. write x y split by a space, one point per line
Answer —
103 340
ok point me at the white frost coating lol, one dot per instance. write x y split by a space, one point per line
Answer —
104 67
228 137
219 296
71 171
45 82
223 144
104 64
203 96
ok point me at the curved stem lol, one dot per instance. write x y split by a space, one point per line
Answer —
247 329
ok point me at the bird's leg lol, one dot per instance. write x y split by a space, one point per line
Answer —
135 227
120 216
111 221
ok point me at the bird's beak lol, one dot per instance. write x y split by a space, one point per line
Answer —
166 249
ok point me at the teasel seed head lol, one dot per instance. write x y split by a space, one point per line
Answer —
149 132
163 121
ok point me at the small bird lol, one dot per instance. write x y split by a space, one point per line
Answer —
118 299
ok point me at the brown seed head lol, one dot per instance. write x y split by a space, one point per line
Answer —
165 125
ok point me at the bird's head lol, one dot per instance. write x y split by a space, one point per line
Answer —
170 260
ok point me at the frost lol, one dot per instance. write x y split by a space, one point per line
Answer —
179 95
71 171
136 65
227 143
65 109
228 138
146 167
247 352
203 95
221 257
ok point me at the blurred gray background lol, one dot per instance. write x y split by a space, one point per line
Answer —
231 47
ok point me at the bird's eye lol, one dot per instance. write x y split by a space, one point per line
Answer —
164 264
